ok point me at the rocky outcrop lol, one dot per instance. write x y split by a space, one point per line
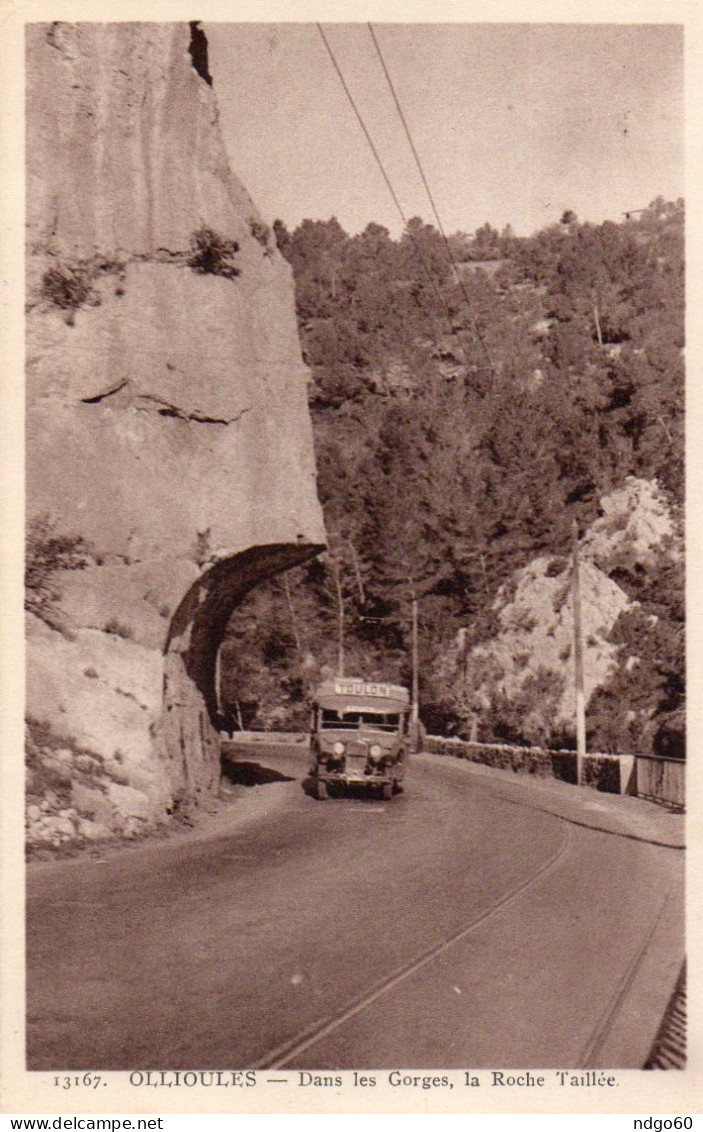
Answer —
167 427
533 647
525 672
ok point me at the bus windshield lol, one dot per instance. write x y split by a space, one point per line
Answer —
331 720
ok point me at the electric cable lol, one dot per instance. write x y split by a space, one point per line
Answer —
394 195
421 171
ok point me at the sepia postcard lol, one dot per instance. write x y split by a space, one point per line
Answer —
348 515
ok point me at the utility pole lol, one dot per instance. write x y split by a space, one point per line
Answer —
340 657
578 661
218 680
340 616
416 672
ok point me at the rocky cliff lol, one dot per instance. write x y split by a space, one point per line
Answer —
170 461
523 677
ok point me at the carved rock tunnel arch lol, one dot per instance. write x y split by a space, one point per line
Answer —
188 739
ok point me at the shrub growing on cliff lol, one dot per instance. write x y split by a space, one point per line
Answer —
47 553
262 234
212 254
201 551
118 629
68 287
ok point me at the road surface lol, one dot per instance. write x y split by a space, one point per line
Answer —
454 926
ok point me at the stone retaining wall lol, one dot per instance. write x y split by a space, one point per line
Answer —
612 774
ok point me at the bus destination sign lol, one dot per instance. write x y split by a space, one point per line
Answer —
360 688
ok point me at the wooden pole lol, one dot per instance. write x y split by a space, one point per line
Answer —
416 671
293 618
340 600
578 661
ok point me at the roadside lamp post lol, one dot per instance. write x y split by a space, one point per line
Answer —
578 662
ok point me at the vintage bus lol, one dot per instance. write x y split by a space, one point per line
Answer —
359 735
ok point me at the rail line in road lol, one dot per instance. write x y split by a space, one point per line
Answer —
505 937
590 1056
670 1044
280 1057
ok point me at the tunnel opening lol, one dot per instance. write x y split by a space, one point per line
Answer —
188 739
269 657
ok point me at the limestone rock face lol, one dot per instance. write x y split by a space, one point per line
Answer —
167 421
634 519
527 667
532 651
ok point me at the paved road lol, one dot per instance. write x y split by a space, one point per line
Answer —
450 927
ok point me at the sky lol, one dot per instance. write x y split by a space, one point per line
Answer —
513 123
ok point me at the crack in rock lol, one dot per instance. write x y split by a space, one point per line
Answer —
166 409
146 402
110 392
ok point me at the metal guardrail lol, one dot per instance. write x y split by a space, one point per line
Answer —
661 779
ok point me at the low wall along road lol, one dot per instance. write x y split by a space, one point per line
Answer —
646 776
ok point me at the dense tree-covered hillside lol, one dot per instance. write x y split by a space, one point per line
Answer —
470 399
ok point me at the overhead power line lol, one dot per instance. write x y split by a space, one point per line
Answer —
421 171
386 178
409 137
361 122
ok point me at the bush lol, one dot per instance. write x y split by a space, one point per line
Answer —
47 553
117 629
525 718
555 568
40 738
600 771
201 551
212 254
525 760
50 775
68 287
603 774
262 234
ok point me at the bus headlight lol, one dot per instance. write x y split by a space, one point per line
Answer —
375 751
338 748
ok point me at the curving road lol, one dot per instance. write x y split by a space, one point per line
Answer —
456 926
